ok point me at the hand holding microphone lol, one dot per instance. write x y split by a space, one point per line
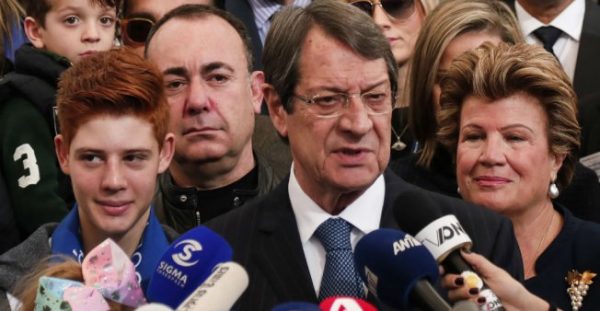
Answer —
444 237
513 294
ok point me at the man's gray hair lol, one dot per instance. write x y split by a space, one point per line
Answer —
341 21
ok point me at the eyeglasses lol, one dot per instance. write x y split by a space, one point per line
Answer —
331 105
397 9
135 30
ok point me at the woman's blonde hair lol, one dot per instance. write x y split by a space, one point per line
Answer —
11 13
447 21
496 72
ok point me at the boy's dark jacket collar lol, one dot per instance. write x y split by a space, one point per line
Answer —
41 63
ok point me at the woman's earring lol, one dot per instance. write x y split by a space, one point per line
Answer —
553 191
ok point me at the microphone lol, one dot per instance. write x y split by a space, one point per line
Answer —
296 306
220 291
443 236
346 304
398 270
153 307
186 264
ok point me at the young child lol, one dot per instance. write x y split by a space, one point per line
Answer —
61 32
113 144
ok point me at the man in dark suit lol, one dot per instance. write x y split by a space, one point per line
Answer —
578 44
331 79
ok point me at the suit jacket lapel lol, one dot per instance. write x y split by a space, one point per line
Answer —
394 185
587 57
279 253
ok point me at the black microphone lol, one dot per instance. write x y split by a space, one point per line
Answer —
443 236
398 270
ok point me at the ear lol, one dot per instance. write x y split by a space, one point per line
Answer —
62 153
277 112
166 152
556 162
257 79
34 31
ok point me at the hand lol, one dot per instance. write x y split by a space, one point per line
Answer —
513 294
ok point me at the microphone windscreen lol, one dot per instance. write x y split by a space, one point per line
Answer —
346 304
186 264
414 209
296 306
220 291
391 262
153 307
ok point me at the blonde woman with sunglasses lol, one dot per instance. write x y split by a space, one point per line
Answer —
138 17
400 22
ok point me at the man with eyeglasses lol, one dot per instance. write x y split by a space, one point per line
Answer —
330 84
138 17
204 56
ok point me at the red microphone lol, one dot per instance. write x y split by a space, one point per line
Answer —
346 304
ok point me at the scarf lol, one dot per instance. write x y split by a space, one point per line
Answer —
66 240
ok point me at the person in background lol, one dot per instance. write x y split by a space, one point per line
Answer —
204 55
114 142
570 29
257 16
331 80
508 116
11 14
456 26
400 22
61 32
138 17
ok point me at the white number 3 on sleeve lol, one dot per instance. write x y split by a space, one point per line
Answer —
32 176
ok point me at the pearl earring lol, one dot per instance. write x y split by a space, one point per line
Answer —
553 191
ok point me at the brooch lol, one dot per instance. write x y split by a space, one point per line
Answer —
579 283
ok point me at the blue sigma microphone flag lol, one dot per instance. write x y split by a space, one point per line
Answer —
186 264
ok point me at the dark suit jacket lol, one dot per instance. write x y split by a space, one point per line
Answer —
242 10
265 240
589 115
588 63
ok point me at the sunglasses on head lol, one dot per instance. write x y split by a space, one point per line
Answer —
135 30
398 9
